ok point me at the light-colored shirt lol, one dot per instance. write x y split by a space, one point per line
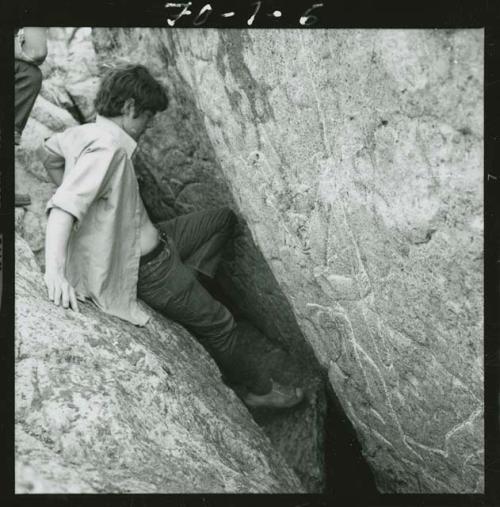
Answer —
99 188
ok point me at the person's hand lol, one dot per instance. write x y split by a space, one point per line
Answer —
60 291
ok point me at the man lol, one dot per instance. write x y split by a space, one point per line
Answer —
30 51
101 244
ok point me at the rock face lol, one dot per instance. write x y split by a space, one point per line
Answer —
355 157
104 406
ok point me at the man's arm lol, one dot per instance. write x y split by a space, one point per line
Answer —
59 225
33 46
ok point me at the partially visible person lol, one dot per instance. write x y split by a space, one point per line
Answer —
30 51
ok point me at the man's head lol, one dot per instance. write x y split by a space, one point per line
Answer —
130 96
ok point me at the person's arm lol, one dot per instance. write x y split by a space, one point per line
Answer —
59 226
32 47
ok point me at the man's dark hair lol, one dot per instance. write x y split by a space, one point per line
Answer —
130 81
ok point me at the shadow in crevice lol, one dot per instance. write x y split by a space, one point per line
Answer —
348 475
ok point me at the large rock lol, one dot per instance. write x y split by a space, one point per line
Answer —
356 159
105 406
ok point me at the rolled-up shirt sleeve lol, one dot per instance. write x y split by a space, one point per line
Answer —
50 153
86 181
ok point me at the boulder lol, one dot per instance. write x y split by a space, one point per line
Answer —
105 406
355 157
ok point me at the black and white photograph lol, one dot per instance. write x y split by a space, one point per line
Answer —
248 260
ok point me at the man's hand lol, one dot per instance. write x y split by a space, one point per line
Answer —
60 291
59 225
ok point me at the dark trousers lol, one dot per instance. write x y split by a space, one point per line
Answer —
170 284
27 84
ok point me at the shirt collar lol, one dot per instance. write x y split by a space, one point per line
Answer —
124 140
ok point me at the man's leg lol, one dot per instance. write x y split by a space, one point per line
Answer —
27 85
200 237
172 288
